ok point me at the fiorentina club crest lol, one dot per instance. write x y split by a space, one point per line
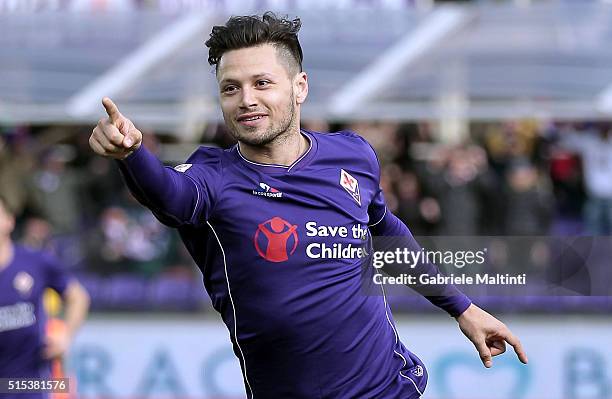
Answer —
351 185
23 283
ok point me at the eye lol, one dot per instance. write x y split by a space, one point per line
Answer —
262 83
229 89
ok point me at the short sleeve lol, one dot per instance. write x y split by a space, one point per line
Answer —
56 274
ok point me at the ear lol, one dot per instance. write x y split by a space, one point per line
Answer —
300 87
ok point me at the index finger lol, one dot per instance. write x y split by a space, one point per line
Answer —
111 109
518 347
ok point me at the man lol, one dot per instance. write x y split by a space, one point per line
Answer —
257 217
25 350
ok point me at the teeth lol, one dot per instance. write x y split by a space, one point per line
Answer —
253 118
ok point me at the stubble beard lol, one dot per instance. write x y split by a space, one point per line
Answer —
274 132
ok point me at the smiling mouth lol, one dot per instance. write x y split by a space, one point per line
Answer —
251 121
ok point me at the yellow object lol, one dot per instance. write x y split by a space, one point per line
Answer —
52 302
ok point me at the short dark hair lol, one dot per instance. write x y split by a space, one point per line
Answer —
248 31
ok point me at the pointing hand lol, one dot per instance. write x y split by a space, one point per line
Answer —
115 136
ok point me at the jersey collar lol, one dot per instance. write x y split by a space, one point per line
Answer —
270 168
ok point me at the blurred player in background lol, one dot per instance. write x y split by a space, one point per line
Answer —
28 345
261 220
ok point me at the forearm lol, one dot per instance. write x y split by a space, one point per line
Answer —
168 194
76 307
447 296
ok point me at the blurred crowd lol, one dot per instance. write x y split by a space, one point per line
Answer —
505 178
76 205
509 178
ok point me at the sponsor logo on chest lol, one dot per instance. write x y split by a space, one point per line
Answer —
265 190
276 239
184 167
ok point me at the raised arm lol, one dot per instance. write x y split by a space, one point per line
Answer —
115 136
174 197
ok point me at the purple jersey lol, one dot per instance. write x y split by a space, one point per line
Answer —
22 317
279 249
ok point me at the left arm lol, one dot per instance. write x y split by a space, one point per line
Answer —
488 334
77 307
447 297
76 302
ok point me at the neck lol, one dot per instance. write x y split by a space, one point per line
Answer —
284 150
6 253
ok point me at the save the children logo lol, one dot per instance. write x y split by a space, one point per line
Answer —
276 239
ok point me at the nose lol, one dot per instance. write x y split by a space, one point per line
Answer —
248 100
